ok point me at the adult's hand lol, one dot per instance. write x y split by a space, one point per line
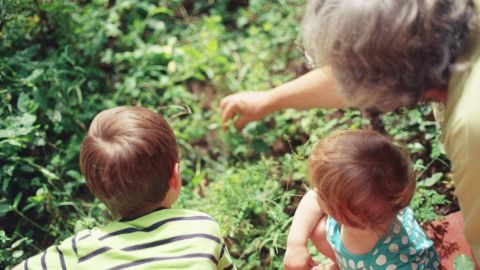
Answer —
250 106
316 89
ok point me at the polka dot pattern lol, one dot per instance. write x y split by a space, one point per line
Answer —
404 246
396 228
393 248
391 267
404 239
381 260
387 239
351 263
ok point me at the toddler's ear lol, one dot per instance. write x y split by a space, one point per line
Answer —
175 181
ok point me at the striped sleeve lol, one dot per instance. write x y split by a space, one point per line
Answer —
59 257
224 260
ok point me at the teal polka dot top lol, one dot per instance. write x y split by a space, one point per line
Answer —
404 247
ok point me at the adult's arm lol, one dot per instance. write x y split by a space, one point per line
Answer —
316 89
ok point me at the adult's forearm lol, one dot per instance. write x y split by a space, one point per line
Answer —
316 89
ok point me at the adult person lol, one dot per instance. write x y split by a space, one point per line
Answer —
387 54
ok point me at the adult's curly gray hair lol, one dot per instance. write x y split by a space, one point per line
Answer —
385 53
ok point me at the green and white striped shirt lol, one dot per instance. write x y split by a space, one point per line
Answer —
163 239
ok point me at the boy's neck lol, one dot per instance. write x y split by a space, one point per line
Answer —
124 219
165 204
170 198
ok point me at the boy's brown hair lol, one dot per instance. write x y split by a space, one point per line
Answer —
127 158
361 178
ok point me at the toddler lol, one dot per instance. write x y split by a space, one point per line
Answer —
357 211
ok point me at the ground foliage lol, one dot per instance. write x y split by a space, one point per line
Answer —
62 61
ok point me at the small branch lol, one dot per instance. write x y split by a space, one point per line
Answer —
29 220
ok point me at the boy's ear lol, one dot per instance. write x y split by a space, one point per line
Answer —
175 181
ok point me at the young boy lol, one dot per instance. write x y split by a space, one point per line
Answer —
129 159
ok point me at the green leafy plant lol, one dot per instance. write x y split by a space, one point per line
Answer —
424 202
463 262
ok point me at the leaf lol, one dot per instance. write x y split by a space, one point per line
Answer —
3 237
55 116
46 172
75 175
7 133
196 180
78 91
40 97
23 102
5 183
157 25
17 200
18 242
130 84
432 180
27 119
4 209
161 10
17 253
463 262
35 75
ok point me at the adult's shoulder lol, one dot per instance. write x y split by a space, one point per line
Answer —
461 128
462 114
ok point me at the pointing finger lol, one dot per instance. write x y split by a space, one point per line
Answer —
224 102
229 112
